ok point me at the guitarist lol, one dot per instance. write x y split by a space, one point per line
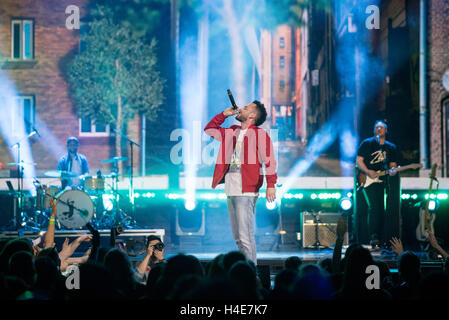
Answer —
374 154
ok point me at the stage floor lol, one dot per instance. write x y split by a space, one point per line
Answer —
276 258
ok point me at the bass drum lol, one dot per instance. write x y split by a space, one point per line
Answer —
75 209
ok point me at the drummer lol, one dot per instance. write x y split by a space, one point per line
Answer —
75 163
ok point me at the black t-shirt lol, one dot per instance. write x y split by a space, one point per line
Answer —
376 155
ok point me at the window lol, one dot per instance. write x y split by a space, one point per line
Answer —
282 85
22 40
281 42
88 128
23 115
281 61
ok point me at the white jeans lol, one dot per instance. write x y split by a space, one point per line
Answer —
241 213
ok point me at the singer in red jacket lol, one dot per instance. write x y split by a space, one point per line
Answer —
243 151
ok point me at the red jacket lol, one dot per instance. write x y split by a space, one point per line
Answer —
257 149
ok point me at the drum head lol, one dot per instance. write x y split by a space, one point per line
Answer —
74 209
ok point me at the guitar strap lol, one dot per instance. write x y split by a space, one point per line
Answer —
366 198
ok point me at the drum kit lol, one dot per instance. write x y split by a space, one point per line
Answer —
95 201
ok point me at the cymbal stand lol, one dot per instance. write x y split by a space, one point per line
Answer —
18 211
116 194
118 218
131 171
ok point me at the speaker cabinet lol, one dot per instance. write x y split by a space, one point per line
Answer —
325 224
190 223
8 208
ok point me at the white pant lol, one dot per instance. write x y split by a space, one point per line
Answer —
241 213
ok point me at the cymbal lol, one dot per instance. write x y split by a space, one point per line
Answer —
59 174
19 163
115 159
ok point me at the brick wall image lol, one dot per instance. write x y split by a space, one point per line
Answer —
437 64
42 77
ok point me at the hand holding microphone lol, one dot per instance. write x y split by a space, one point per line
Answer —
232 110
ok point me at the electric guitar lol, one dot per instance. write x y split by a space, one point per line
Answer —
364 180
425 218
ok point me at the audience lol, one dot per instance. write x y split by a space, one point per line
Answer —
410 274
31 272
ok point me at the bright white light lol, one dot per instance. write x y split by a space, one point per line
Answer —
433 205
190 204
107 202
346 204
270 205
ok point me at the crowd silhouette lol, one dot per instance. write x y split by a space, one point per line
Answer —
38 270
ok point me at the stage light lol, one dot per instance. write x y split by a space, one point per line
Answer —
442 196
149 195
270 205
346 204
433 204
190 219
190 204
108 202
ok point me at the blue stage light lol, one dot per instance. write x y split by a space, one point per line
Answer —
346 204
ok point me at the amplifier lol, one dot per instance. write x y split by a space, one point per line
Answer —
8 206
323 223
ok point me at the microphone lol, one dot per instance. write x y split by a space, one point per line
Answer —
234 106
378 139
35 131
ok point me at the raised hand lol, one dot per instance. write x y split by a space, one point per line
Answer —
433 241
65 245
53 203
84 237
341 227
396 246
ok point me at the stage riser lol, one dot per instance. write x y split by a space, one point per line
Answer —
217 229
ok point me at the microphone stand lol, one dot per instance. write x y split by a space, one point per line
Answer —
131 169
20 179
